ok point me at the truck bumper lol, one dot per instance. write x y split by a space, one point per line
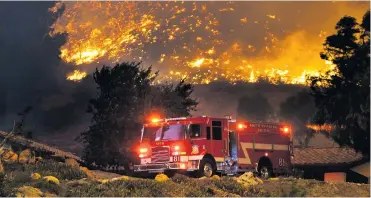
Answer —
156 168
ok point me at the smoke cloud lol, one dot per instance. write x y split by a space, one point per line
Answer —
32 74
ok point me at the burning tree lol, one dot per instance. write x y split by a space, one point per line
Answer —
125 96
342 98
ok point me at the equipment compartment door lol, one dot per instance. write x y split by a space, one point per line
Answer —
219 136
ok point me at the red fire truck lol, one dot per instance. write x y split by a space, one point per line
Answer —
208 145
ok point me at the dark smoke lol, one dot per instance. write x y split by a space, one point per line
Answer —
32 73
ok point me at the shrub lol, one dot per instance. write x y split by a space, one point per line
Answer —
51 179
28 191
179 178
2 184
53 168
35 176
161 177
46 186
230 185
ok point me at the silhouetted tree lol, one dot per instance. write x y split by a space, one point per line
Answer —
172 101
343 98
298 110
19 125
125 97
254 108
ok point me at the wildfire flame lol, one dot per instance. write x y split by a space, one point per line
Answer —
185 38
325 127
76 75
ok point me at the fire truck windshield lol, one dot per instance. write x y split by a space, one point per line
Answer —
167 132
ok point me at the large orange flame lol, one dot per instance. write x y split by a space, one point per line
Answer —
187 39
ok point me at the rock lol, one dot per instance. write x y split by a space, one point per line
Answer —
87 172
120 178
1 167
35 176
14 158
26 156
161 178
9 155
103 181
51 179
248 179
247 175
28 191
72 162
49 195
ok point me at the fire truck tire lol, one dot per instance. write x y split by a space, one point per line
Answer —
207 168
265 172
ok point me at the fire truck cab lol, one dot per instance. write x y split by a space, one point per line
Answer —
207 145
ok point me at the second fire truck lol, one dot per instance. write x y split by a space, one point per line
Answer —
207 145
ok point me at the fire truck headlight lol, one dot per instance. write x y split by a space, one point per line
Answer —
176 148
143 150
155 120
141 155
182 166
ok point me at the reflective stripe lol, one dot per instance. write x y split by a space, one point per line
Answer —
184 158
244 147
281 147
249 145
219 159
278 147
195 157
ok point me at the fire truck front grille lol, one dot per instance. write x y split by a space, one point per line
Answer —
160 154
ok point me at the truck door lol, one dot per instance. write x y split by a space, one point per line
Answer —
219 139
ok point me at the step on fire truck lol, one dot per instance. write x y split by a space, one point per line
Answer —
207 145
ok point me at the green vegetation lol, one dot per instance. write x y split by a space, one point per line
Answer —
17 180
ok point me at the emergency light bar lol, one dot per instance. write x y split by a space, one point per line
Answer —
172 119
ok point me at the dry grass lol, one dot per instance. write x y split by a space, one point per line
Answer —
17 175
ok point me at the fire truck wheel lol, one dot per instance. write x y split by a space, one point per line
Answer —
265 172
207 167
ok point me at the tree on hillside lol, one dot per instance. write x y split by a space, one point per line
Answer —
254 108
173 101
123 101
298 110
343 98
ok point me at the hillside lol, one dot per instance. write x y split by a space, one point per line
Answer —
48 178
220 99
